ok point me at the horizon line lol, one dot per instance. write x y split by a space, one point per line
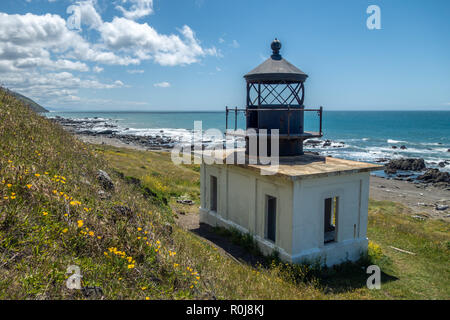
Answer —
222 111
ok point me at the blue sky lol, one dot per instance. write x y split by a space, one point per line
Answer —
192 54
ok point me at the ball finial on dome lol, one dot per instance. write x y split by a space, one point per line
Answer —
276 46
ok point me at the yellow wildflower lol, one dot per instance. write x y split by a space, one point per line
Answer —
9 185
37 174
130 266
65 230
45 213
80 223
29 186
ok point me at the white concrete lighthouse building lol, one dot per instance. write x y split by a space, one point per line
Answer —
308 207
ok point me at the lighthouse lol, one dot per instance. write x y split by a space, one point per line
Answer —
310 208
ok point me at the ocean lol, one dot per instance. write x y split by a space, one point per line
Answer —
356 135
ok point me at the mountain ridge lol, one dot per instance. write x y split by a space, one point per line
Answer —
36 107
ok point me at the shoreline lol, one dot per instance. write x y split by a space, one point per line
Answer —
420 198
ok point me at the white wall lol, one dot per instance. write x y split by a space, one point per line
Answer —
241 197
299 214
308 221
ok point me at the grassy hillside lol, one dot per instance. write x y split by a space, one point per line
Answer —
55 212
424 275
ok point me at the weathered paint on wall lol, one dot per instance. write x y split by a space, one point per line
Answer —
299 211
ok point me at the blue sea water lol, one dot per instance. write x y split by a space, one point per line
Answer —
358 135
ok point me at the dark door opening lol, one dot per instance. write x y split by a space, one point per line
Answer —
213 195
271 217
330 219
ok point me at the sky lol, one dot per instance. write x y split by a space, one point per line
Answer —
167 55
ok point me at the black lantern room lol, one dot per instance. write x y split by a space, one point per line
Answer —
275 96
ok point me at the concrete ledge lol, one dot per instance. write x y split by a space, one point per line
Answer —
334 253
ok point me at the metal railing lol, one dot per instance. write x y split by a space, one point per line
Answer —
237 110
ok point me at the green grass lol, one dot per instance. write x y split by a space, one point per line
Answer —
40 233
421 276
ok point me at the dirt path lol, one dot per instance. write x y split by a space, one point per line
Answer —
190 221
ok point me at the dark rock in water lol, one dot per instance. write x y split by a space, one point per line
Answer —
404 175
448 150
394 147
327 143
405 164
390 171
441 164
403 147
313 142
441 207
435 176
380 160
105 180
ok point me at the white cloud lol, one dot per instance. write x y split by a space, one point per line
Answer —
167 50
163 84
88 14
221 40
135 71
138 9
41 56
97 69
54 87
235 44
